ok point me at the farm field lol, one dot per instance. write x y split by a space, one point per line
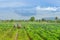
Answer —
30 31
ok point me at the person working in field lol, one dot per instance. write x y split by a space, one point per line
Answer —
17 26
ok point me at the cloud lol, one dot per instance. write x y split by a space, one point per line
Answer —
48 8
8 14
40 12
26 13
39 9
43 12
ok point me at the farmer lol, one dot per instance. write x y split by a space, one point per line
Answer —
18 26
15 26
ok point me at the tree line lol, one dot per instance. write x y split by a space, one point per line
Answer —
32 19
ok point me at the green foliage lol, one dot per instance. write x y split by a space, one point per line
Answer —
30 31
43 19
32 19
11 20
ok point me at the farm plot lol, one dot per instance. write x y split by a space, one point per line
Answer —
30 31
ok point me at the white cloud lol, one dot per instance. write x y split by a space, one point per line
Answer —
47 12
48 8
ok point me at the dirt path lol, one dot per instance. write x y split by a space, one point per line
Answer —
16 36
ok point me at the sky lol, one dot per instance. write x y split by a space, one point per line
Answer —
24 9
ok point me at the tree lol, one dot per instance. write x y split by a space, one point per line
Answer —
43 19
11 20
56 18
32 19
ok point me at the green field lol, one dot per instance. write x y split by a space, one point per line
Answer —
30 31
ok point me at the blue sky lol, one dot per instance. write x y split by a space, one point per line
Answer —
24 9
